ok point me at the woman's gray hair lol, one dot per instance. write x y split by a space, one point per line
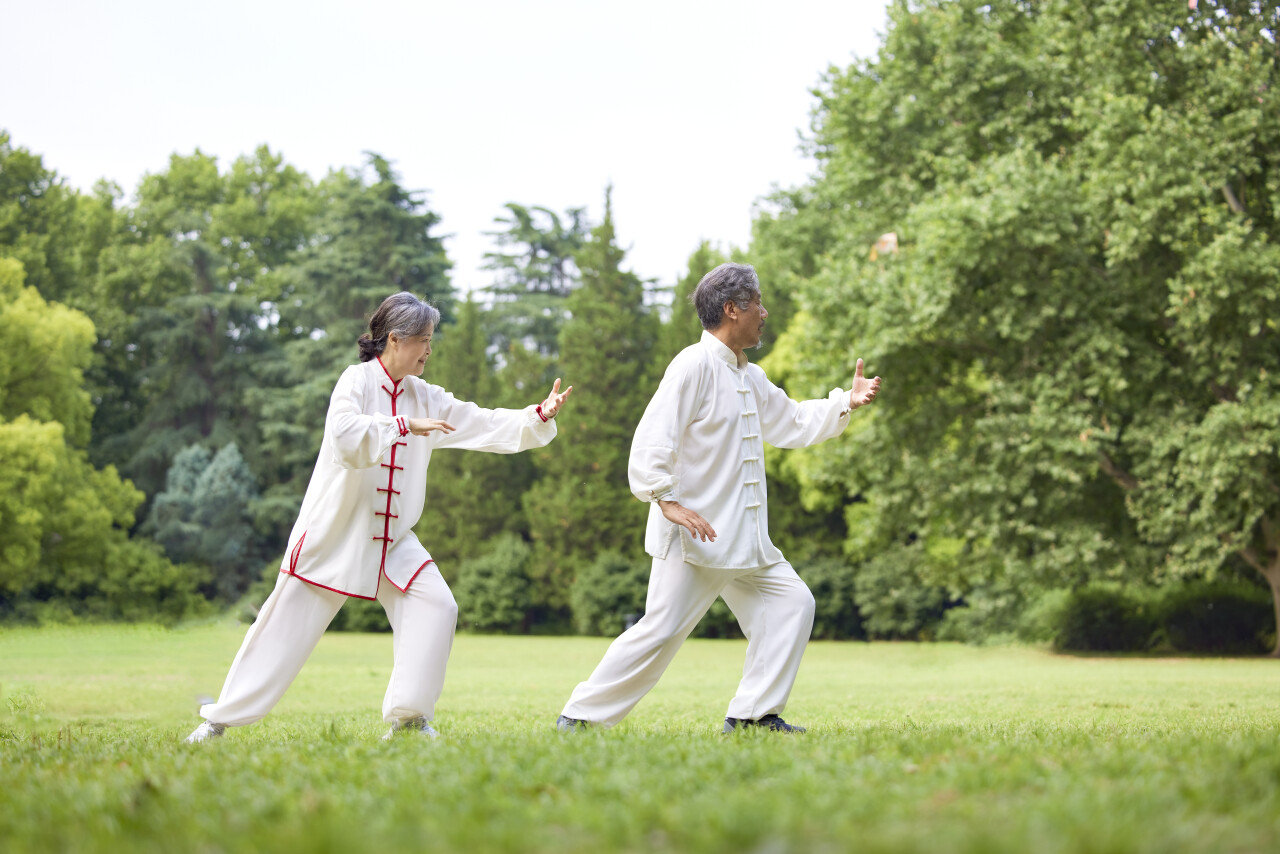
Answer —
402 313
736 283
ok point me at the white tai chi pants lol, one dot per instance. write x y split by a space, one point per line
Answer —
294 617
773 606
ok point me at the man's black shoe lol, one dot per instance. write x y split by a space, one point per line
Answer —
566 724
769 722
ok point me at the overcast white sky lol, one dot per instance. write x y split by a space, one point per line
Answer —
692 109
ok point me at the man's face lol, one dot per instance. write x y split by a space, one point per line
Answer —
749 324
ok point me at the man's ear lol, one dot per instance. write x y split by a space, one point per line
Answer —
730 310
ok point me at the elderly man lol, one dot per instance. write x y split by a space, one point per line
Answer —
698 458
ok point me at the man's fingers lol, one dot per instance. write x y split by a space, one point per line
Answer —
857 370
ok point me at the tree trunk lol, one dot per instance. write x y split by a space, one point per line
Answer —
1272 574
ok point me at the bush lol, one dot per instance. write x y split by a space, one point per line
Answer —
1103 617
1219 617
607 591
493 591
719 622
895 603
361 615
836 615
1042 620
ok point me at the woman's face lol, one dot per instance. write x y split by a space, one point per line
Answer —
408 355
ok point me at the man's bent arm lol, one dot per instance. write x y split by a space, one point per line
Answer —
651 467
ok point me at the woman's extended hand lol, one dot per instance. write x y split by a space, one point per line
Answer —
863 390
423 426
555 400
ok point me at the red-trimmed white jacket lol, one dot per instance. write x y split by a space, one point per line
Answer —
369 484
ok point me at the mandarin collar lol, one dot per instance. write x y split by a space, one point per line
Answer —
723 351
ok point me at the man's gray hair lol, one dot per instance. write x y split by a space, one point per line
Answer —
736 283
402 313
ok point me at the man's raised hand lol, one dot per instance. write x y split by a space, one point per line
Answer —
555 400
863 390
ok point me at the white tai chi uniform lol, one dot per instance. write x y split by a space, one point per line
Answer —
355 530
701 443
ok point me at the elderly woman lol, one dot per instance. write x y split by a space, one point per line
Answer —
354 534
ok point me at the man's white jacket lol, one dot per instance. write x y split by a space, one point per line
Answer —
701 443
369 484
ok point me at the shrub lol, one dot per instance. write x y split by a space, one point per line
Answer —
607 591
493 591
836 615
894 601
1219 617
1103 617
361 615
718 622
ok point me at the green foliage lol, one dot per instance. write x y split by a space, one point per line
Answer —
836 614
44 350
609 591
38 223
536 272
894 599
1104 617
1074 324
581 506
493 590
361 615
64 547
1217 617
203 517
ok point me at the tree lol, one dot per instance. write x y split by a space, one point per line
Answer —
184 295
535 275
1083 197
47 348
38 227
64 546
581 506
203 517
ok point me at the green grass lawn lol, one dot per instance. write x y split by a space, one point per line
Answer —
928 748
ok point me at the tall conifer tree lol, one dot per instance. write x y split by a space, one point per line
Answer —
582 505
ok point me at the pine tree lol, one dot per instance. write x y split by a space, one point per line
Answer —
582 505
535 275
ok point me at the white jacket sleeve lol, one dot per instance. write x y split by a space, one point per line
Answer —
786 423
358 439
651 468
498 431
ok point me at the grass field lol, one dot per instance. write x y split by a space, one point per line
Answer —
910 748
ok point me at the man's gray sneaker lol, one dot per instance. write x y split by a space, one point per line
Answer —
418 725
769 722
567 724
207 731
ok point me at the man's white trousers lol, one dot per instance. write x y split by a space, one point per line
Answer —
773 606
294 617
